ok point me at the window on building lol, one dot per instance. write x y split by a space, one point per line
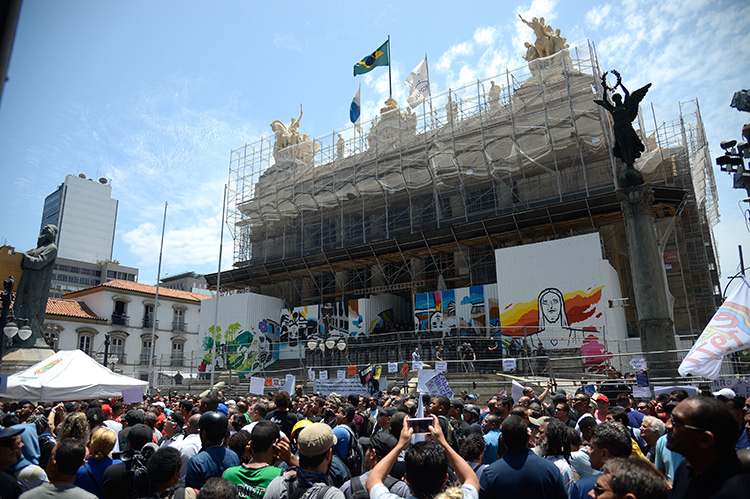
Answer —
84 343
98 273
117 348
122 275
63 268
73 279
119 314
178 320
145 351
75 270
148 316
178 358
131 277
111 274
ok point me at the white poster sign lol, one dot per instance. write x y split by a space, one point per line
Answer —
322 374
256 385
392 367
441 366
438 385
416 365
132 395
423 377
509 364
341 374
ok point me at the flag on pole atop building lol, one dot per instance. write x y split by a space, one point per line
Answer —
380 57
354 110
419 84
727 332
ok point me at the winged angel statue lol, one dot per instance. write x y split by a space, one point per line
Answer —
628 146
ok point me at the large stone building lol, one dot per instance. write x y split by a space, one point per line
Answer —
123 312
421 202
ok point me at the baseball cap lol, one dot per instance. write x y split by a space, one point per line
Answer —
223 409
725 392
139 435
106 409
457 402
602 397
315 439
387 411
538 421
9 432
383 443
177 417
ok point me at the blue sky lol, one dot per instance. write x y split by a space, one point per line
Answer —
155 95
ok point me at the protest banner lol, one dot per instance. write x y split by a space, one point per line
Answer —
132 395
349 385
441 365
509 364
727 332
438 385
392 367
340 374
423 376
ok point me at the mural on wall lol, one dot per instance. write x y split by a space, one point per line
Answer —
242 351
560 306
553 312
255 330
472 311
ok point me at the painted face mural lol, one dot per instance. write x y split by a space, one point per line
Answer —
550 305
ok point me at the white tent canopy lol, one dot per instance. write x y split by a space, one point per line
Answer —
68 375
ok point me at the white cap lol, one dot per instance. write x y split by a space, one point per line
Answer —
726 392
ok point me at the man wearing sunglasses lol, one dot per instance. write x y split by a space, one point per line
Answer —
704 431
609 440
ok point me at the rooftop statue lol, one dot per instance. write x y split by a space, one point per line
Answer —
547 43
628 146
304 150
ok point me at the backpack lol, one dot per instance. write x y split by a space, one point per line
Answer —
358 490
445 425
294 489
369 424
355 459
456 433
135 477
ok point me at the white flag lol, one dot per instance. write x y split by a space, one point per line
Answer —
727 332
419 84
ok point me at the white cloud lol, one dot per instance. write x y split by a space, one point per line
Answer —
597 15
485 36
460 50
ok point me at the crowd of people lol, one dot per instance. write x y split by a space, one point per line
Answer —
309 446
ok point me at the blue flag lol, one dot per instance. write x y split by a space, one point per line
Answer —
354 109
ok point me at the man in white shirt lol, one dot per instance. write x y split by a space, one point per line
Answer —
426 466
189 446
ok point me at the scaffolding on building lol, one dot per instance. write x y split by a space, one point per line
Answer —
422 199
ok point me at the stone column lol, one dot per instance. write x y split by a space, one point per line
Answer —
655 327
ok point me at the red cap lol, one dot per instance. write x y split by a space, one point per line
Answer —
106 409
601 397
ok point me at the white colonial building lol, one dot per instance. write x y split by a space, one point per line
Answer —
123 312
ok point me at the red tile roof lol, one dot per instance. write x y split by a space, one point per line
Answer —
71 308
137 287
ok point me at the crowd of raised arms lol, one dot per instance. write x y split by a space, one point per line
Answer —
310 446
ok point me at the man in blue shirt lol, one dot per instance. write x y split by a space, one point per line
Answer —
491 438
520 472
609 439
213 459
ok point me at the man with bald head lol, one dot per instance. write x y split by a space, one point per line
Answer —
189 446
704 431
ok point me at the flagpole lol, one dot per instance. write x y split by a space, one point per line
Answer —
156 305
390 86
430 86
218 292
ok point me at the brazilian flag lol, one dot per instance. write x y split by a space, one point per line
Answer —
378 58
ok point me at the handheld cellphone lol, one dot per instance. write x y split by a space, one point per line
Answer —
420 425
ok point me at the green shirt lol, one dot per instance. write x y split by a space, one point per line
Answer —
251 482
